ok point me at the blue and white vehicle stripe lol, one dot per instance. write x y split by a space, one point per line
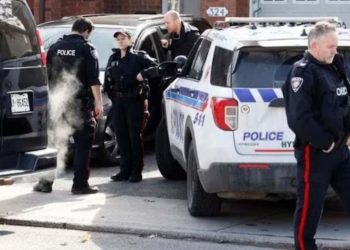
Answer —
257 95
192 98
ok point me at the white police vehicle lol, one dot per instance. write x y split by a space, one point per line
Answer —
224 125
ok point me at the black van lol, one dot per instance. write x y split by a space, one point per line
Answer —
23 93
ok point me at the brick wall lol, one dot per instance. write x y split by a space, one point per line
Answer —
77 7
133 6
55 9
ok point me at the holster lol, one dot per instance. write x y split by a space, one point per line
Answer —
143 89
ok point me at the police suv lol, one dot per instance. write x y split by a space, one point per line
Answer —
224 125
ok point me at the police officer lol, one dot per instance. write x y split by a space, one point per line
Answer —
74 55
182 36
125 72
317 108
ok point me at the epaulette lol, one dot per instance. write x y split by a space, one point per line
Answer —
300 66
90 44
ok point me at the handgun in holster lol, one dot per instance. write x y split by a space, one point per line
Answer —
144 89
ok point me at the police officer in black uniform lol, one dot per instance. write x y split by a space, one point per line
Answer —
75 56
126 69
182 36
316 93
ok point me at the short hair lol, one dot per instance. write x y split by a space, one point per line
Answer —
320 29
174 14
83 24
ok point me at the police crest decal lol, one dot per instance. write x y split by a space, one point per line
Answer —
296 83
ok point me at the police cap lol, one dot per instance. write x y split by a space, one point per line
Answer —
123 32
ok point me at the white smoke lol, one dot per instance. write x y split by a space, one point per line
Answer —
64 118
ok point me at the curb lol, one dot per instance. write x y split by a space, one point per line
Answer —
223 238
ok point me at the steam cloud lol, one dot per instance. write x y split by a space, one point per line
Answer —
64 118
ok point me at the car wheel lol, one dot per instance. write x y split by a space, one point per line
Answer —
167 165
199 202
108 153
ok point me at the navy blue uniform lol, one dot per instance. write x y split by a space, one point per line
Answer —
74 55
128 97
183 43
318 112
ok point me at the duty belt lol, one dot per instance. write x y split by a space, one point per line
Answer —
122 94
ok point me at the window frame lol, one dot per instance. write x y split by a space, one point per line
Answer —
202 42
227 70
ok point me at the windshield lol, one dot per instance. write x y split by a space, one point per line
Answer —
101 37
17 31
268 68
264 68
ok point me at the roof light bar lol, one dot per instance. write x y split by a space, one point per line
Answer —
280 19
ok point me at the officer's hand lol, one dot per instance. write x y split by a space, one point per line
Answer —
98 111
139 77
348 141
329 149
165 43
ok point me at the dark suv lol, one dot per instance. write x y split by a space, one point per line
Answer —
23 93
146 31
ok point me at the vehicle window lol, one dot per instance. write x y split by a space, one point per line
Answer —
51 34
264 68
101 38
150 42
220 71
196 68
17 31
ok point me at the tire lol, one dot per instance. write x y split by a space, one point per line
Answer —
167 165
108 153
199 202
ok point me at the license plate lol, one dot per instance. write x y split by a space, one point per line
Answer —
20 103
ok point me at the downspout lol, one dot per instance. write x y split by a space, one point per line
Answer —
42 11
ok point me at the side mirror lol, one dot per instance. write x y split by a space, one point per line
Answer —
180 61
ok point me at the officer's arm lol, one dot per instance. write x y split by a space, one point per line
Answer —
299 111
108 80
149 67
96 92
92 69
49 57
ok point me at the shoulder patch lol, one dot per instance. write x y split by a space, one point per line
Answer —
296 83
94 53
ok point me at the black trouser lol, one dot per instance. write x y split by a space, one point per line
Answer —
83 140
127 118
316 171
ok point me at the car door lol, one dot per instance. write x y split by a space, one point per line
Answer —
149 41
184 100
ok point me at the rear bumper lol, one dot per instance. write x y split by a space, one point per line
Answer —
26 162
266 179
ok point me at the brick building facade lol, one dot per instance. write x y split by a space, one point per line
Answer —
47 10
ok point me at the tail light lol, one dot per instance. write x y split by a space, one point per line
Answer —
225 113
42 50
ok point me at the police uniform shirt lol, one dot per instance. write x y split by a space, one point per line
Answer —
121 72
316 99
183 43
73 53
